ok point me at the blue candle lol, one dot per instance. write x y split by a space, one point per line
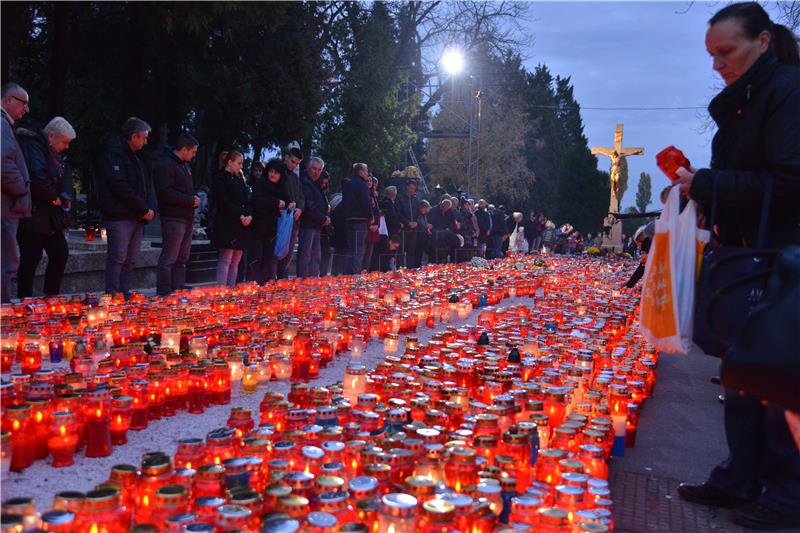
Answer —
56 351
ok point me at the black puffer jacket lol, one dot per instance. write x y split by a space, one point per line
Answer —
122 183
231 199
266 198
316 205
174 187
759 137
49 180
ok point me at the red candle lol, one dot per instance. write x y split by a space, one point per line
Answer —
139 417
63 439
121 415
17 421
31 358
97 417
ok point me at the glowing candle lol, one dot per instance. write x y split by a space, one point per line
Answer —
63 439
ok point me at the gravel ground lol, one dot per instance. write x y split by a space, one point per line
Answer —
41 481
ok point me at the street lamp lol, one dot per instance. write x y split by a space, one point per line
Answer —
453 61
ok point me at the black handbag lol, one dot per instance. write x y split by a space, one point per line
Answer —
732 282
765 361
59 218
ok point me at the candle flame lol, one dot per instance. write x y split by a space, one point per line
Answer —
94 529
39 416
16 425
62 430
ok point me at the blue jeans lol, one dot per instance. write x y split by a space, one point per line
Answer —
124 239
283 264
356 235
228 266
309 253
9 254
496 246
176 244
762 455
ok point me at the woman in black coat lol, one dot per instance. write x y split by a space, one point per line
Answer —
758 141
51 191
231 198
270 195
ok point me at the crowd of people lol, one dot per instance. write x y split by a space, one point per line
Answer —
358 229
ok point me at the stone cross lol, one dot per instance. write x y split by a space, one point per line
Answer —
613 238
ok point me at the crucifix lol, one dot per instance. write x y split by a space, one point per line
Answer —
613 239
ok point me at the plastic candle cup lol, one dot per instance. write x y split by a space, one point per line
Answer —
97 417
250 379
121 415
397 513
17 420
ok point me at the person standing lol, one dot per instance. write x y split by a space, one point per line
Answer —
408 212
51 190
292 158
312 221
122 192
176 204
498 234
326 235
16 190
231 197
757 142
269 197
357 210
484 226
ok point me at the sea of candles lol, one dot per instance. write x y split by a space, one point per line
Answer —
507 420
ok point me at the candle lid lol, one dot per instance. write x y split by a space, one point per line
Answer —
58 517
363 484
398 504
233 511
321 519
198 527
281 525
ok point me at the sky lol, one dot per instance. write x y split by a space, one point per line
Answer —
633 54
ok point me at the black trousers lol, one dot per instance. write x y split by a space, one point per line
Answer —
31 246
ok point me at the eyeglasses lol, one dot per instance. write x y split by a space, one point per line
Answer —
20 100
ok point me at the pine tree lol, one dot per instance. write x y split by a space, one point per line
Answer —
644 193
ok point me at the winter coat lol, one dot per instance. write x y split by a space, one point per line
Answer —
266 201
316 209
16 189
407 209
339 222
295 189
356 200
499 226
174 187
122 183
484 224
390 215
230 196
758 138
49 181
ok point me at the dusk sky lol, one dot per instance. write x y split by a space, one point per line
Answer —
633 54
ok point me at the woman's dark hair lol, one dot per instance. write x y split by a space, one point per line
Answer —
754 20
277 165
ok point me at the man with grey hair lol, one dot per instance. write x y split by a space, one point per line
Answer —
122 190
51 190
315 216
16 191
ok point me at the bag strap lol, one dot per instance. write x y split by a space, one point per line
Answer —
766 202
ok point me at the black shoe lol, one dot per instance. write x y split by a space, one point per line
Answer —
756 516
715 380
706 494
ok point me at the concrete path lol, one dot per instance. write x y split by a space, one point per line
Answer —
680 438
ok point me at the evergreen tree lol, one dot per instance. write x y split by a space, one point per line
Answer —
366 121
644 192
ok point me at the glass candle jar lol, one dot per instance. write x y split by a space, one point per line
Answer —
397 512
102 513
139 415
63 439
354 383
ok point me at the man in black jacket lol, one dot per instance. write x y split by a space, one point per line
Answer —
176 204
357 207
122 192
408 212
484 226
313 218
292 157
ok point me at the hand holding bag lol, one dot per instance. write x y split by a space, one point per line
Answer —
283 236
668 287
732 282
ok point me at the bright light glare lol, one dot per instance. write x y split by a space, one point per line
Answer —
453 61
